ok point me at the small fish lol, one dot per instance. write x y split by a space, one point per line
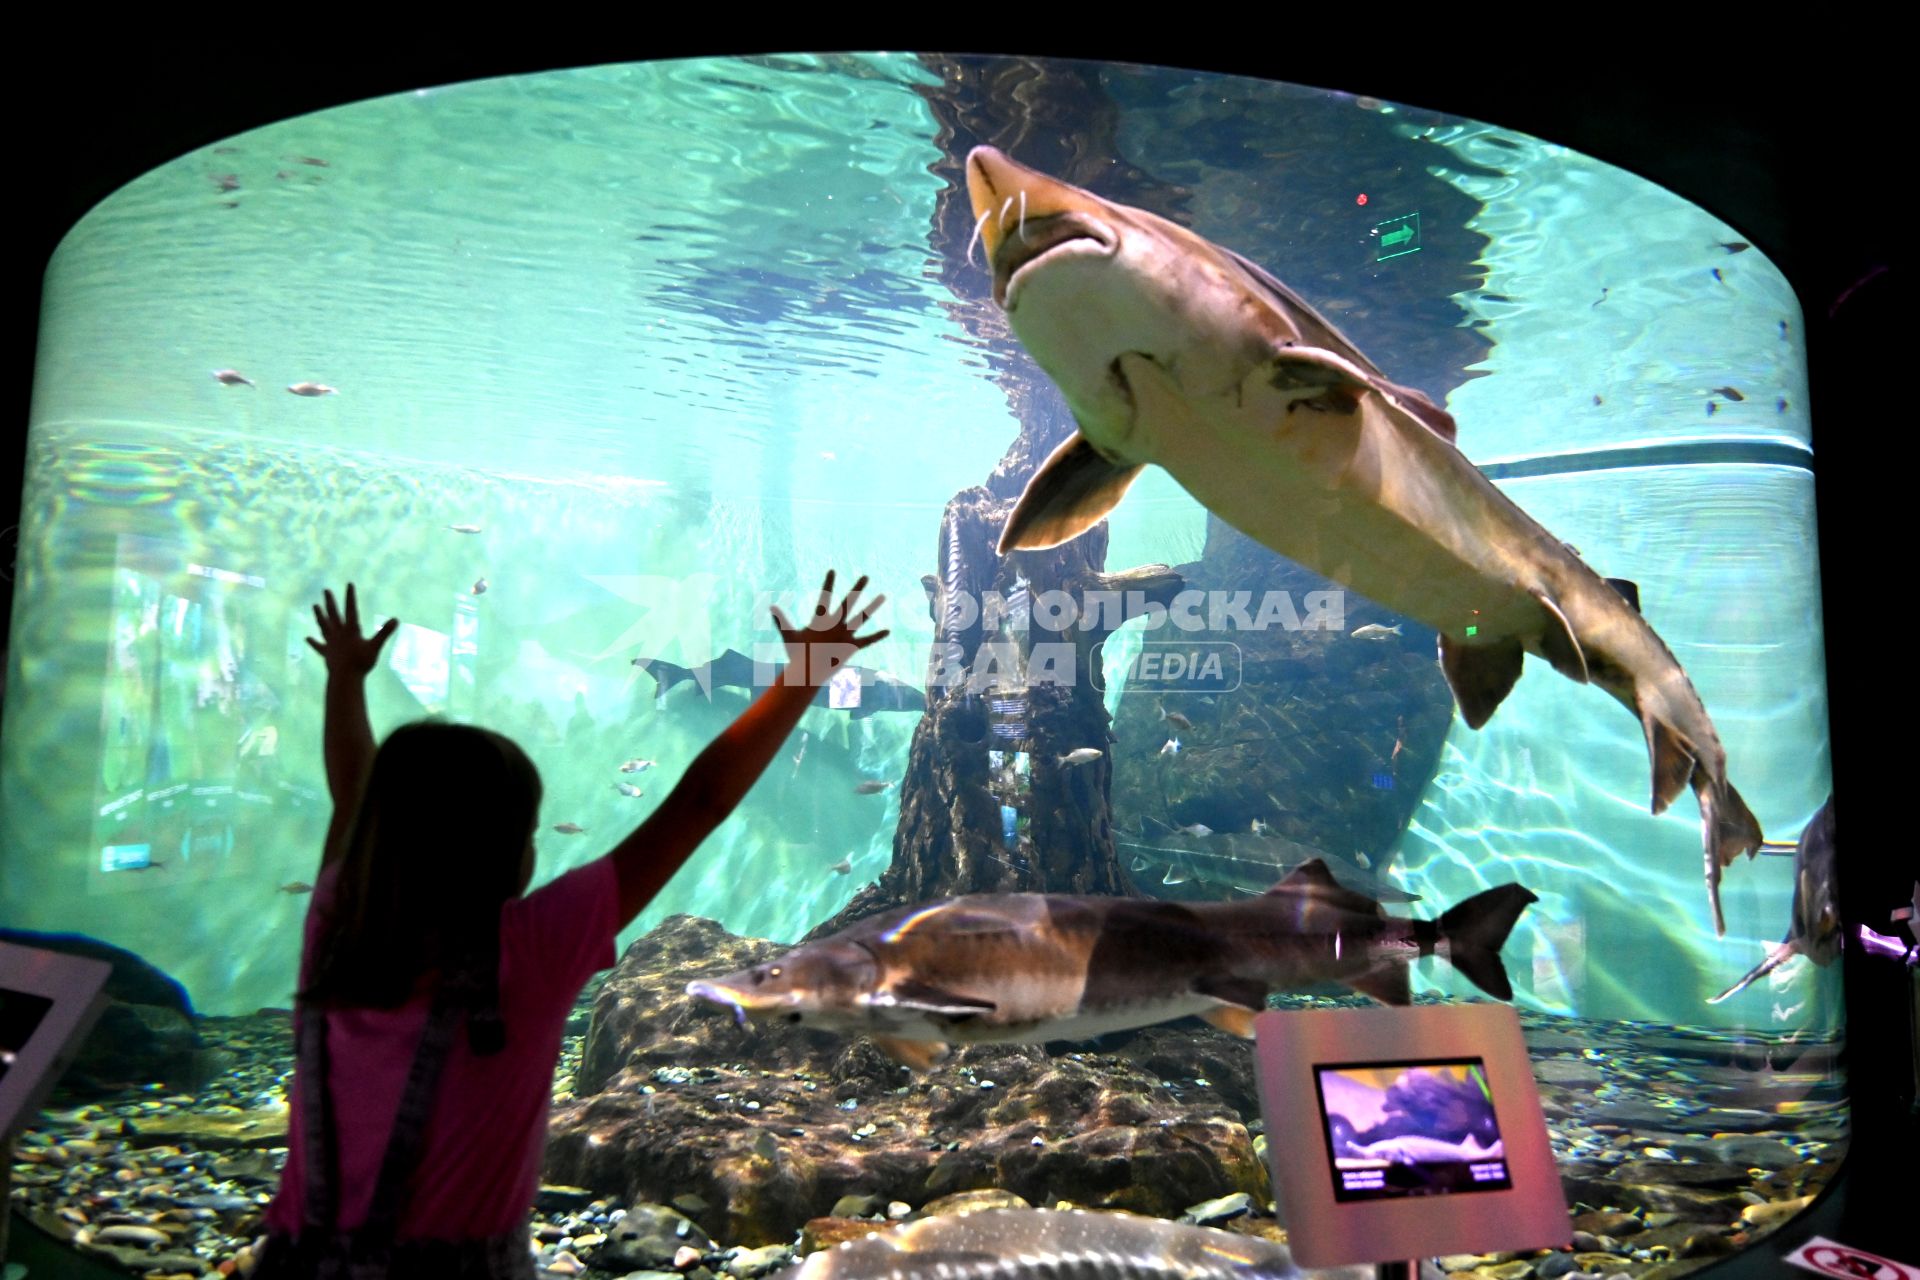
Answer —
628 789
1195 829
637 766
569 828
844 867
315 161
1080 755
295 886
479 586
871 787
1175 719
1717 276
312 389
1731 393
1258 828
464 528
1364 861
1713 407
232 378
1735 246
1374 631
1171 747
1598 400
225 181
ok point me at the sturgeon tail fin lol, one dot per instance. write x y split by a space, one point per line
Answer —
1474 932
665 674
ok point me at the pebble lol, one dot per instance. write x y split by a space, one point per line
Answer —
1686 1172
146 1237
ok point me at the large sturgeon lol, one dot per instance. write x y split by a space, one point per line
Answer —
1175 351
1031 967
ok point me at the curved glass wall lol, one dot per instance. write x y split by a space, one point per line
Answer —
576 369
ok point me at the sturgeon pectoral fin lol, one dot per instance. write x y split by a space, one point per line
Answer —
1073 491
923 998
1387 983
1480 675
1558 644
1430 415
920 1055
1243 992
1673 758
1232 1019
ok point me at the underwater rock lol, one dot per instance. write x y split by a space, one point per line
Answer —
773 1126
139 1044
971 1202
643 1018
650 1235
253 1129
1328 741
857 1206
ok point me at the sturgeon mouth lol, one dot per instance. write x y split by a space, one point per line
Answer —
1038 239
720 994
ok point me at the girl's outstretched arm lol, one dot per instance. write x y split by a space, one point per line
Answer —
349 735
730 765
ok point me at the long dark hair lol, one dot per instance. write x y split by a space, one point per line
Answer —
437 846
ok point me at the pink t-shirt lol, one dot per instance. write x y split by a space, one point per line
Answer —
483 1146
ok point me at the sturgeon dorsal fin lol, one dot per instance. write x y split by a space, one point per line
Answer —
1558 644
1071 492
1312 873
1315 880
1629 591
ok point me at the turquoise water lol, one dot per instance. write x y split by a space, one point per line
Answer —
676 338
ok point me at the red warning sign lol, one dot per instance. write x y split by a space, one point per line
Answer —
1828 1258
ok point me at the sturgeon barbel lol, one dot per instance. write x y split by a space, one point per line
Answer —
1175 351
1027 968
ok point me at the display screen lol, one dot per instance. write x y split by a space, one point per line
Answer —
1398 1129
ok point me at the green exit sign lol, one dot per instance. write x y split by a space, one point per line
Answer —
1397 237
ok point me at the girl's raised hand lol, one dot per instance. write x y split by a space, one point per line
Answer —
340 642
829 638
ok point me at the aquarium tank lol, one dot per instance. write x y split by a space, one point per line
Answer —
576 374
